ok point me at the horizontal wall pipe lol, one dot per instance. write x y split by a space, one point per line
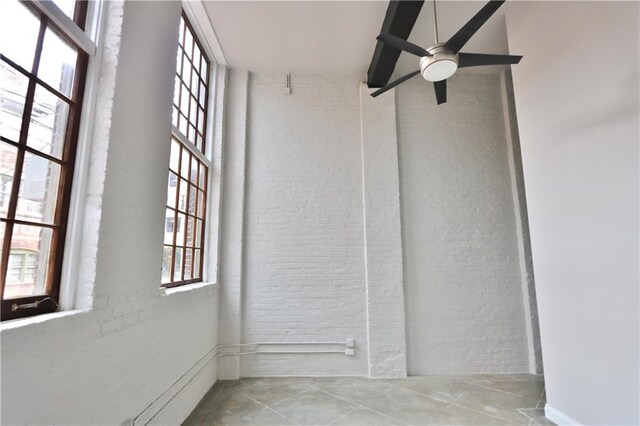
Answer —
280 344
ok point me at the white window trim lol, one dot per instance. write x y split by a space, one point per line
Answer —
199 19
66 25
70 277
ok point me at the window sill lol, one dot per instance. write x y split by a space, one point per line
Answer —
39 319
186 288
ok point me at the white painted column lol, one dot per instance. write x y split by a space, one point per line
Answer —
232 229
522 225
383 242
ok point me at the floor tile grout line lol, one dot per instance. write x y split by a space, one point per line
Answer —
360 405
283 416
345 415
448 403
482 412
267 407
496 390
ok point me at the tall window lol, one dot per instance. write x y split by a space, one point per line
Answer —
188 167
42 75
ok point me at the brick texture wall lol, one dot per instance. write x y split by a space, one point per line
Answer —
462 278
304 262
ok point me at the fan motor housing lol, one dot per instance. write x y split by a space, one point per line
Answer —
441 65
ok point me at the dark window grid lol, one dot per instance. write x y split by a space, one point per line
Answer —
193 98
196 67
201 49
202 57
189 125
197 216
186 222
33 76
185 115
195 246
54 267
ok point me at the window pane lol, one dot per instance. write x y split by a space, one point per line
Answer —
184 100
182 198
198 239
166 264
189 230
182 125
177 265
28 261
38 189
19 29
192 200
184 169
201 201
201 121
194 84
180 230
188 43
202 176
181 33
7 168
13 91
174 116
193 177
57 63
169 226
188 257
196 263
48 125
204 70
172 187
176 91
175 155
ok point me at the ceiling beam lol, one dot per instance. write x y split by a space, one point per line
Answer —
400 18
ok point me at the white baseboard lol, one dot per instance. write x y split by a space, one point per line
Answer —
558 417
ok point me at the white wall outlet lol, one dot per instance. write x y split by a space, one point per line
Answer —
351 343
349 352
287 90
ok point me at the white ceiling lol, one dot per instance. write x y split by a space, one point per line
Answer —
333 37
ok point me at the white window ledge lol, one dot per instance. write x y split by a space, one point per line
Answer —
39 319
187 288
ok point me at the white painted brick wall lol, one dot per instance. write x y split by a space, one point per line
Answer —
105 366
304 264
462 280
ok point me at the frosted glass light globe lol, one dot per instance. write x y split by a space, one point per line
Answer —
439 66
440 70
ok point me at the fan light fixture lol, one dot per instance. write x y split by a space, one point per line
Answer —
439 66
441 61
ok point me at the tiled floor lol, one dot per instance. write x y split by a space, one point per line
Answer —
432 400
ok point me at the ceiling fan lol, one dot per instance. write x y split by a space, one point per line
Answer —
441 61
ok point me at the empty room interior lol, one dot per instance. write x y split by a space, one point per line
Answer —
319 212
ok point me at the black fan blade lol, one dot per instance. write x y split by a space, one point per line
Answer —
478 59
441 91
395 83
463 35
401 44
